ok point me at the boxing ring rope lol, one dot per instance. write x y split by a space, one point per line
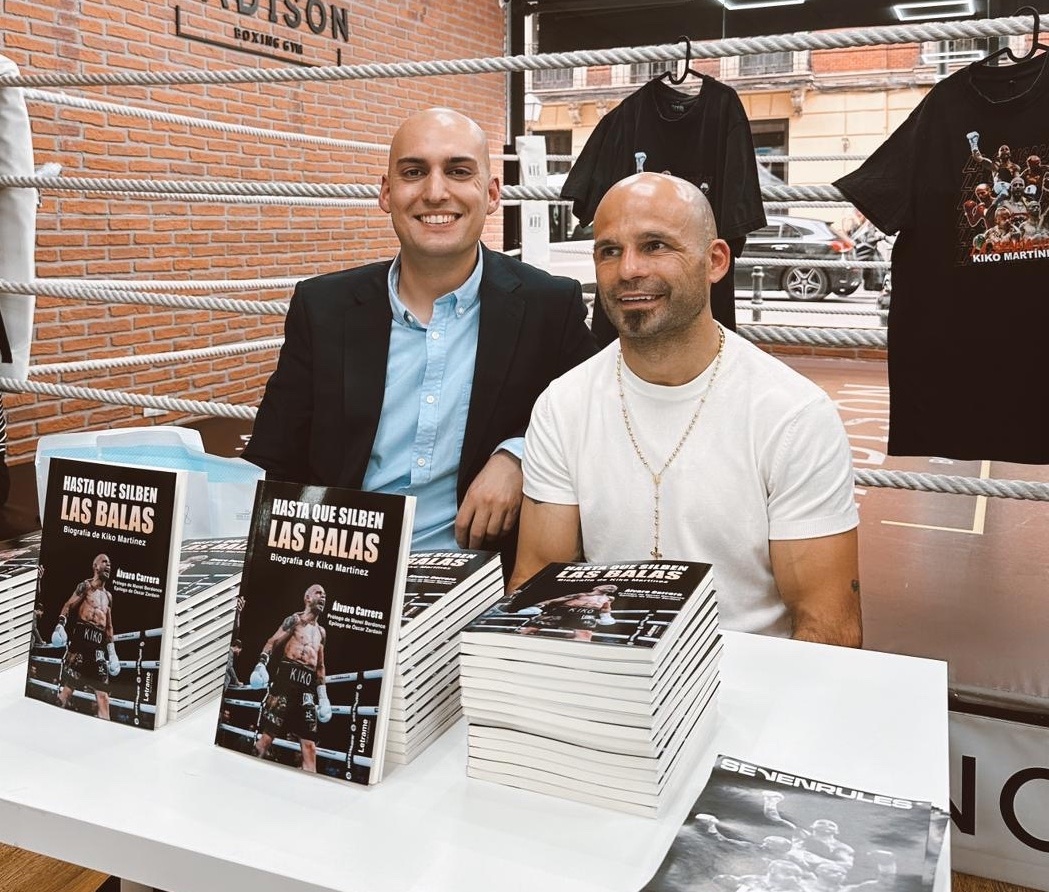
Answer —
164 188
123 398
82 102
712 49
113 291
58 368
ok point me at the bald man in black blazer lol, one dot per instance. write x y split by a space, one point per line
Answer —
321 411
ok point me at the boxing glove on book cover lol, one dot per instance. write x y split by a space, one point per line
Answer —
322 591
756 827
107 580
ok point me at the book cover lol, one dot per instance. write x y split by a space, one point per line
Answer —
207 566
628 608
432 575
107 580
322 593
18 557
755 827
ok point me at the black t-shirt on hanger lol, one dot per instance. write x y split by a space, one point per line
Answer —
964 181
703 138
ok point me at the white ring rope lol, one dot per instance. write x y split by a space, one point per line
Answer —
775 206
122 398
813 337
58 368
787 159
333 190
711 49
106 292
290 201
945 483
272 284
149 114
748 262
745 303
203 123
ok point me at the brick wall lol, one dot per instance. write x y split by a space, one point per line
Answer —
898 57
107 237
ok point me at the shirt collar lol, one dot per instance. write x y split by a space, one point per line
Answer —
464 297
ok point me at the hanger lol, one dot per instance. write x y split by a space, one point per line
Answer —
1035 45
668 75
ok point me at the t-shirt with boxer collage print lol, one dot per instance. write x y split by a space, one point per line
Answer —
965 182
703 138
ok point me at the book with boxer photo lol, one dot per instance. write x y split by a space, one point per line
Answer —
109 554
311 672
625 611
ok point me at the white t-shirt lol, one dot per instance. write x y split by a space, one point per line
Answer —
767 459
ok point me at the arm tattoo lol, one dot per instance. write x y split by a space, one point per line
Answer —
289 623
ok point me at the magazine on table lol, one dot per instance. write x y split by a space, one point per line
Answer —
755 827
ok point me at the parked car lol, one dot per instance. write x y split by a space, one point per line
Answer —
799 238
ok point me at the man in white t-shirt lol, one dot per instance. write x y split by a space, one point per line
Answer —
683 441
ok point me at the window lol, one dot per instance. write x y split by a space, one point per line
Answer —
766 63
955 52
558 142
552 78
770 138
642 72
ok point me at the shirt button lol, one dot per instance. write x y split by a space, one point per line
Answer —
460 311
429 398
435 335
421 462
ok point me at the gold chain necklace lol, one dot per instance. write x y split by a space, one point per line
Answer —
657 476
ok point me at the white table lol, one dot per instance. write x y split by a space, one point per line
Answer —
169 809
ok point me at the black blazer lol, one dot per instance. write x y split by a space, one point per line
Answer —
320 412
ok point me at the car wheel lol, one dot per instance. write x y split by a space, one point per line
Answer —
873 279
806 283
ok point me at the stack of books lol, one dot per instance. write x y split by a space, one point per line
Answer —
594 682
18 569
209 577
444 591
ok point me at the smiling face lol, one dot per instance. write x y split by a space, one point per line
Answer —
656 255
438 188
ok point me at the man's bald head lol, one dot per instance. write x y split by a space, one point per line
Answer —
687 204
656 253
440 123
438 190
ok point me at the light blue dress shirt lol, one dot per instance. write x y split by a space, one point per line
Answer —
429 377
